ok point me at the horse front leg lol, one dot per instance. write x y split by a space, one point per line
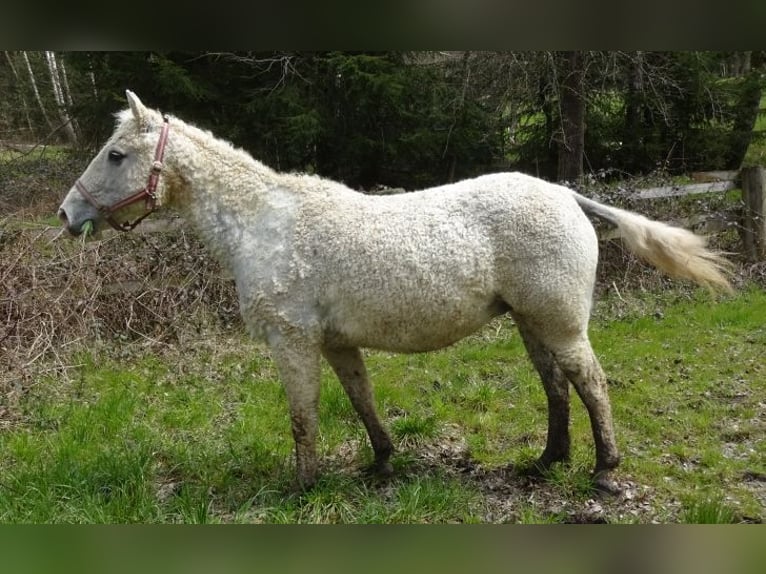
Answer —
298 366
350 370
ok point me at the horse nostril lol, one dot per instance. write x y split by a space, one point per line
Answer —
65 221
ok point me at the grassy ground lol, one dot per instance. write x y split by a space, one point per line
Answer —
201 434
170 426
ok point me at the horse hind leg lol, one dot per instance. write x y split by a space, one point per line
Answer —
581 367
560 349
350 370
556 385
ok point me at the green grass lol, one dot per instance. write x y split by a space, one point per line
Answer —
204 436
707 511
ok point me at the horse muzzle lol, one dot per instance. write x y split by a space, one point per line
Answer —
74 228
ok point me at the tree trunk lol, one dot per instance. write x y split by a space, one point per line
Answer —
546 164
753 229
24 105
33 82
571 144
458 112
65 85
92 76
58 94
632 140
748 106
740 64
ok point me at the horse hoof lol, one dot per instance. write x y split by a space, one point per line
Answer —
533 470
605 486
383 469
540 467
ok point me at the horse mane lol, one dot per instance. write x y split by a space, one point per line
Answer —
301 182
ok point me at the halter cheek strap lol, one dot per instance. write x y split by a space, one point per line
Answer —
147 194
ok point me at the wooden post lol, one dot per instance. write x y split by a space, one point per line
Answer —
754 213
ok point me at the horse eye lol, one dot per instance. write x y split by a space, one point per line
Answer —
116 156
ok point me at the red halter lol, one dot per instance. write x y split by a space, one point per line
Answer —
148 193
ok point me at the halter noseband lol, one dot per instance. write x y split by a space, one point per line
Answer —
148 193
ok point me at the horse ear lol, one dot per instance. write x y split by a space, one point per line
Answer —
138 109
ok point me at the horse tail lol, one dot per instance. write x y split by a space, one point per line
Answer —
676 251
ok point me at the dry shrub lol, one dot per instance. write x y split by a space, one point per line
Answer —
152 291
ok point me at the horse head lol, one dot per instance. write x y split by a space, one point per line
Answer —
122 184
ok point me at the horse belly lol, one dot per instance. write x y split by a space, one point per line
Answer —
412 328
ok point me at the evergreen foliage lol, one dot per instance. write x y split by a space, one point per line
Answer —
412 120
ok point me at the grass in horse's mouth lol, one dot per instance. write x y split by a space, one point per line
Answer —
87 228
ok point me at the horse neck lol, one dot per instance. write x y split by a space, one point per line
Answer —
214 170
219 188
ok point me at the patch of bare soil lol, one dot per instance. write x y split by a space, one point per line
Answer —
511 496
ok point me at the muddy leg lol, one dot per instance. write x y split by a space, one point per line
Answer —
298 367
583 370
349 367
557 391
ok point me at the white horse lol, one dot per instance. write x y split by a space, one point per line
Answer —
322 270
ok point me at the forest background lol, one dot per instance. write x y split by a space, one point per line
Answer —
411 119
